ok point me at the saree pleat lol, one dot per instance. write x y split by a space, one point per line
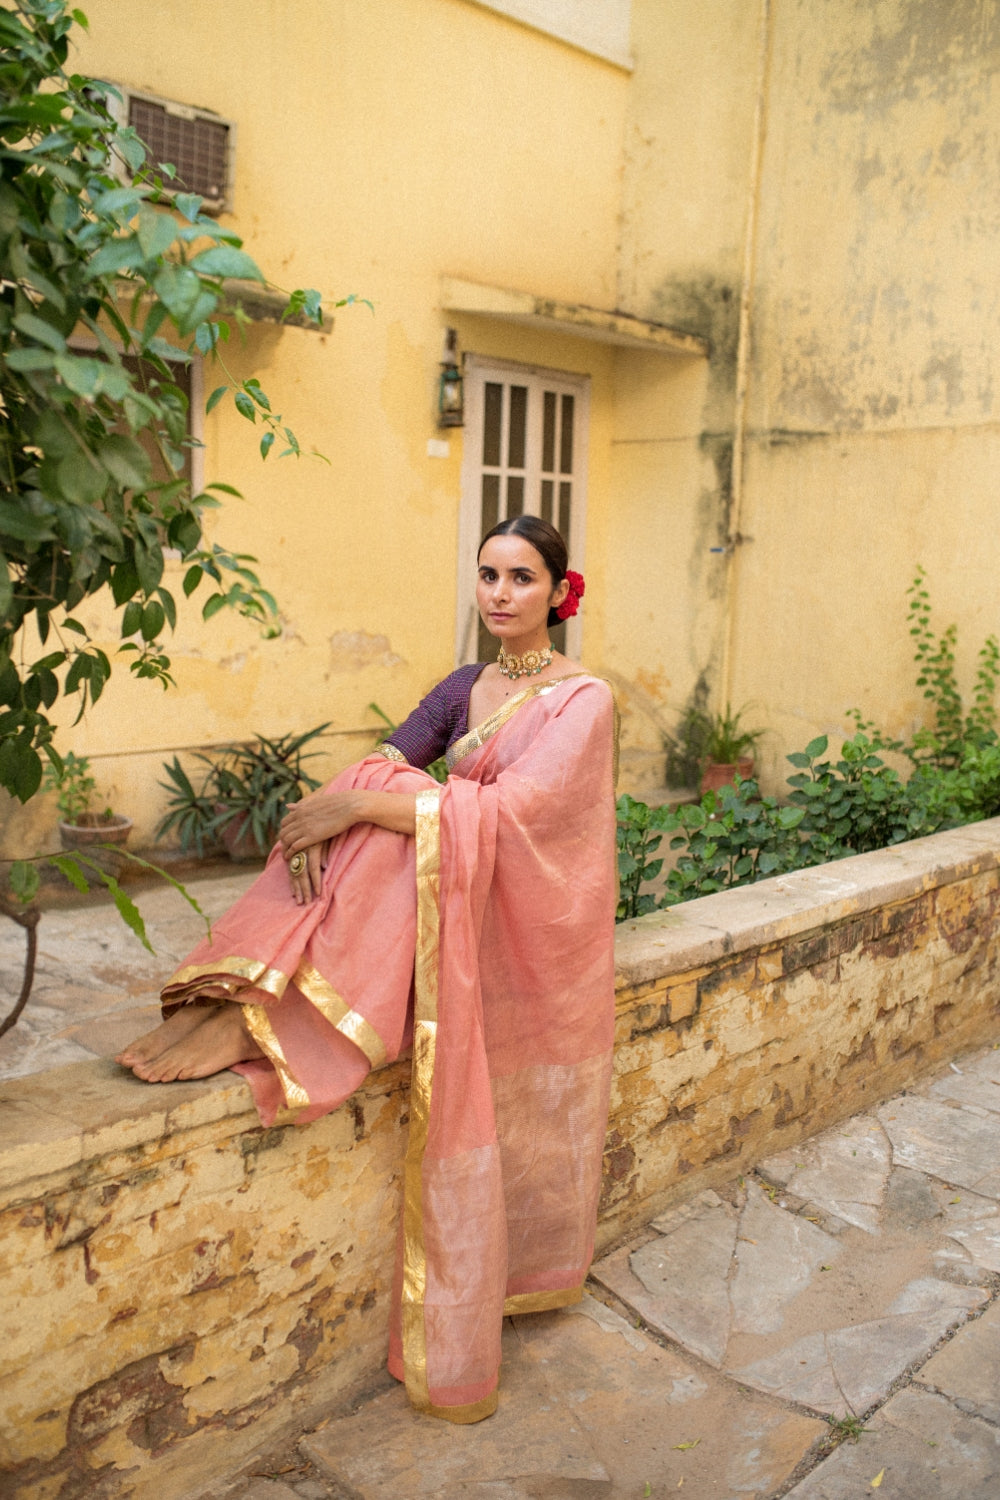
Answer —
488 939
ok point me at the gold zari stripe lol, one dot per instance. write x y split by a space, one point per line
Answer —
414 1333
488 728
535 1302
259 1026
391 753
272 981
319 992
474 1412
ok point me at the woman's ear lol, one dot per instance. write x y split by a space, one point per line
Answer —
559 594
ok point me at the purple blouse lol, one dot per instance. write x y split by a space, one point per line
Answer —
438 720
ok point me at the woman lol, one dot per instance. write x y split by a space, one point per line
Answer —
494 910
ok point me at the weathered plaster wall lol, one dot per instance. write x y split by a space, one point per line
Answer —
173 1272
685 198
872 417
861 242
380 147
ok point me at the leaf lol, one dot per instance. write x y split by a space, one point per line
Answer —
126 461
164 875
189 204
877 1481
127 909
157 231
28 360
121 254
226 261
67 865
24 880
683 1447
245 406
215 398
817 746
43 333
213 605
85 377
266 444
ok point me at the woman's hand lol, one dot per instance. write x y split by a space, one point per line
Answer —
307 828
309 825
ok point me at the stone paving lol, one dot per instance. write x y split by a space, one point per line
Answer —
824 1329
96 987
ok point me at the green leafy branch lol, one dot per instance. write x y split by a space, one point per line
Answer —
94 443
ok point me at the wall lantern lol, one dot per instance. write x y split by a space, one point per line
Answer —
451 399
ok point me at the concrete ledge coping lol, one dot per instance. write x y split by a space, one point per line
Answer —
702 931
53 1120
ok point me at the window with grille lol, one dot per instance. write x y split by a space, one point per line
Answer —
197 143
525 448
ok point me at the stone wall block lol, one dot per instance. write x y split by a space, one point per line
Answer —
174 1271
721 984
684 1000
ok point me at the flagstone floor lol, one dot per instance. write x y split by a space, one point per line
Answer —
825 1329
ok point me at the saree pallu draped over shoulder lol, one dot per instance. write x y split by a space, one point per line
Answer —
498 920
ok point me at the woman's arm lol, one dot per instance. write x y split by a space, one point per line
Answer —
309 825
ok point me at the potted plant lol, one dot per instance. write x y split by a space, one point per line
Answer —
727 748
102 836
242 797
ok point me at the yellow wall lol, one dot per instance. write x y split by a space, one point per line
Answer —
872 412
386 144
380 146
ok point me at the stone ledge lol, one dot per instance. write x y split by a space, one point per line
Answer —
51 1121
702 931
181 1278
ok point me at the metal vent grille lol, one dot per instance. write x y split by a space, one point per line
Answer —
197 145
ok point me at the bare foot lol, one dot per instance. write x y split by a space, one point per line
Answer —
216 1044
152 1043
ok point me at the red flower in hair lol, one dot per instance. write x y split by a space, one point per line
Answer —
571 603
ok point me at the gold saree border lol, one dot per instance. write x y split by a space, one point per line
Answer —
259 1026
536 1302
463 1415
502 715
414 1332
335 1009
252 970
391 753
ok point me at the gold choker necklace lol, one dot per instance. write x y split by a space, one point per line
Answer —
528 665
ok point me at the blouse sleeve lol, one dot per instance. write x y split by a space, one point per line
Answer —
424 736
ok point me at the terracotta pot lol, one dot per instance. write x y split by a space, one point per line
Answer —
236 837
87 837
716 775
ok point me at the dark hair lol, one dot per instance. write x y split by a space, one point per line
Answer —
546 541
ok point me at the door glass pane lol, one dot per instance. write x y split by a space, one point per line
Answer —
566 437
515 495
492 417
564 499
549 432
547 500
491 502
518 425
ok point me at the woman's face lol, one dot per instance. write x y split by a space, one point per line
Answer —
514 590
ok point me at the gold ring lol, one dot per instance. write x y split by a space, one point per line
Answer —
297 863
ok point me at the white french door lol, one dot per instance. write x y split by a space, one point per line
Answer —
525 454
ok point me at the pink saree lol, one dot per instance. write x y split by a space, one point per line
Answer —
498 920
